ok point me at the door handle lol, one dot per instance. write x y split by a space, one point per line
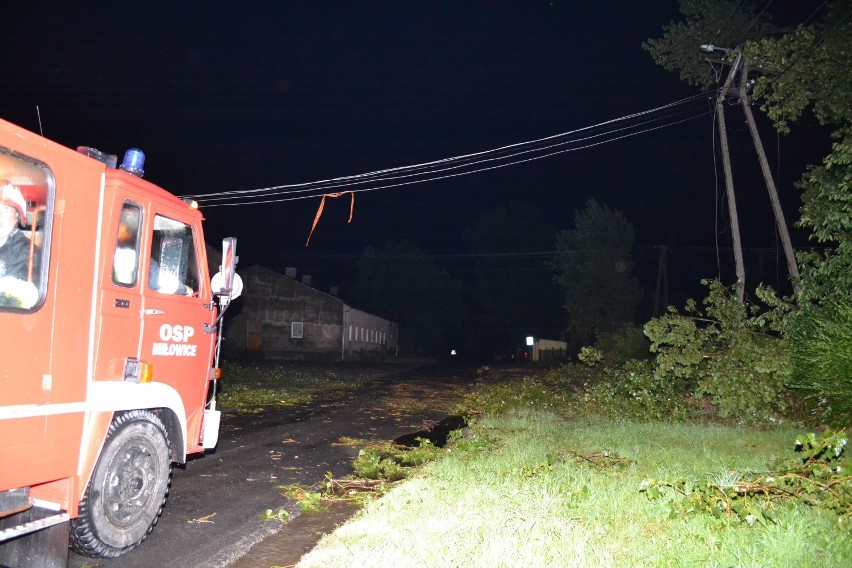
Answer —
153 312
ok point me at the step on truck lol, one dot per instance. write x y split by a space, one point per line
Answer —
109 343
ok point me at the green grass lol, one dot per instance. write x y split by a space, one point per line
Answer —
541 480
533 488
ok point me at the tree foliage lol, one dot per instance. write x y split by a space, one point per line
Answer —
807 68
725 23
726 353
594 268
403 284
827 212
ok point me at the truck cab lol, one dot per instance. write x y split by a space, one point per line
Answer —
108 338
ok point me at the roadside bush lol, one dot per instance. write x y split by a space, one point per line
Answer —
634 392
535 392
625 343
630 391
728 355
821 340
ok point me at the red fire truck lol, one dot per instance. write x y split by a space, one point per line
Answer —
108 347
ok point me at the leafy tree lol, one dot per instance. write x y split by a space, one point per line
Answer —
725 23
800 70
807 68
820 329
827 212
513 290
403 284
593 266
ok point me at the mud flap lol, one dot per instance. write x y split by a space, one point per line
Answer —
210 431
43 540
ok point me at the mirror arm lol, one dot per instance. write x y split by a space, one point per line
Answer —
211 327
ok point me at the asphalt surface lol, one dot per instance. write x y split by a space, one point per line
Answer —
213 516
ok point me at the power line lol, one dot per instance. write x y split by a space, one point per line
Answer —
428 169
636 251
649 120
436 167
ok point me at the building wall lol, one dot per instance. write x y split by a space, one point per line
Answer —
366 336
549 350
282 318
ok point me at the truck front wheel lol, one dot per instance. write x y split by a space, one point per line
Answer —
128 489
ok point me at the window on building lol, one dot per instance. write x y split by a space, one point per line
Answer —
297 330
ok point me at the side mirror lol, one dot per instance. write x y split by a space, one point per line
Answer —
227 283
219 289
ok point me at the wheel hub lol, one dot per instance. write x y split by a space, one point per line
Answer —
127 488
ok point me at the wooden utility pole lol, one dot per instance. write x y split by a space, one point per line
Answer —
792 266
729 180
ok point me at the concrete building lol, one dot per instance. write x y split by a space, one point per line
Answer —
280 317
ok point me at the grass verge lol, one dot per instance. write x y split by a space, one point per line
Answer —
532 488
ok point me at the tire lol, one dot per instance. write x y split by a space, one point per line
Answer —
128 489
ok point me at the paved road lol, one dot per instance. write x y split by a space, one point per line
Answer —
214 512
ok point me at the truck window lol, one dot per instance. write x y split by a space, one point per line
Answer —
26 204
174 266
125 264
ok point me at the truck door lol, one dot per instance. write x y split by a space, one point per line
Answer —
122 299
177 305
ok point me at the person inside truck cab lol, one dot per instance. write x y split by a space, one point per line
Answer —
162 280
171 286
16 289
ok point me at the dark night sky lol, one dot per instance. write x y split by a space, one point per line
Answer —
255 94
